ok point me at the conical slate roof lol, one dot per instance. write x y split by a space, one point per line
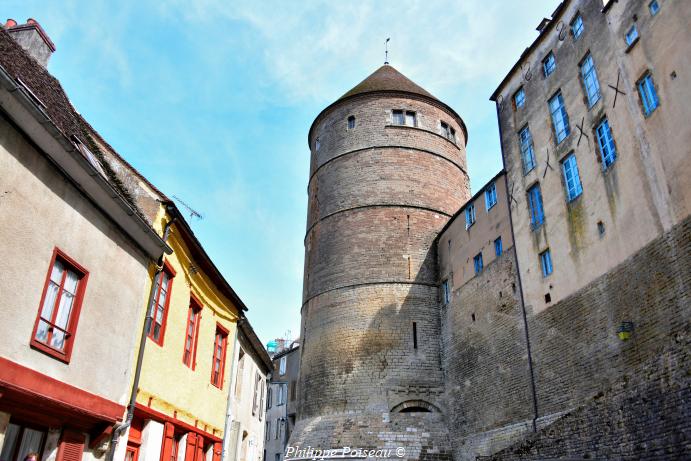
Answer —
386 78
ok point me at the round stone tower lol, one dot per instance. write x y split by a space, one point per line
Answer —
388 169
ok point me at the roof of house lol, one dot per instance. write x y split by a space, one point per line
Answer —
255 344
48 90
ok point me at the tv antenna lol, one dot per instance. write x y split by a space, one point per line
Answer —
386 51
193 213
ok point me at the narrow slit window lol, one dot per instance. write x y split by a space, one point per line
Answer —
414 335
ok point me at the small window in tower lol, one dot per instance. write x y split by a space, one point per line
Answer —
317 144
410 118
398 118
448 132
351 122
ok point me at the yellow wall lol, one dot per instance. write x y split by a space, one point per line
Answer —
173 385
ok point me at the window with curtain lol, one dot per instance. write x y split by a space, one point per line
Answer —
21 440
60 306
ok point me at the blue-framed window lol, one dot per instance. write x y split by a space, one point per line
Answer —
605 141
527 154
631 35
498 248
546 262
590 82
470 215
572 180
549 64
577 26
646 89
537 214
653 7
560 119
519 98
477 263
491 196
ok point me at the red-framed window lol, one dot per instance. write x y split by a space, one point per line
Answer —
194 316
61 302
164 284
219 358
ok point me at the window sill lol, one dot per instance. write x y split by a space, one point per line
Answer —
46 349
630 47
426 131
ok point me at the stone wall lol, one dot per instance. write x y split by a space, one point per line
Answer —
488 400
624 399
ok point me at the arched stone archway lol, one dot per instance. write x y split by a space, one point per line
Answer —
415 406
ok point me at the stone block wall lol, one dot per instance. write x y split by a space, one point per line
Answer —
488 400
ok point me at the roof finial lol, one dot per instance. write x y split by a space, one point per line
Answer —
386 52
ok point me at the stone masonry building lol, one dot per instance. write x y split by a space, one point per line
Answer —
548 315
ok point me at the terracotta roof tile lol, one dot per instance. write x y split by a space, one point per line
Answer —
387 78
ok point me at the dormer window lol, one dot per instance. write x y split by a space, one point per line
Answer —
448 132
408 117
351 122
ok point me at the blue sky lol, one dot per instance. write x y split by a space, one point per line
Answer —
212 101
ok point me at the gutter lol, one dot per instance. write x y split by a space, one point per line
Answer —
520 284
121 428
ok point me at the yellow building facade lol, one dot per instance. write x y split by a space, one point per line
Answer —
182 393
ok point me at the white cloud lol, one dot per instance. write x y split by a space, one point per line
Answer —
311 49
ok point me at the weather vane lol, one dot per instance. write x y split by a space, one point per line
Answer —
386 51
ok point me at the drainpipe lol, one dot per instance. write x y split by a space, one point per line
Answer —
119 429
231 387
520 288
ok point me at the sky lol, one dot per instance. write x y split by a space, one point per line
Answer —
212 100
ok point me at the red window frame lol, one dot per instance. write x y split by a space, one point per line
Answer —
170 272
65 354
220 340
194 317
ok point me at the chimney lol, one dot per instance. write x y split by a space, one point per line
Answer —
32 38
